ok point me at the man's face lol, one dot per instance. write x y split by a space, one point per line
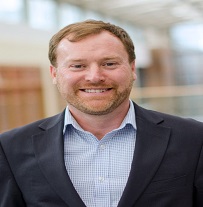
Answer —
94 75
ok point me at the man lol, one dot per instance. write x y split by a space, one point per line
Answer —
103 150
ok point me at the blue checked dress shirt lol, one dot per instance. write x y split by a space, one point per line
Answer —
99 169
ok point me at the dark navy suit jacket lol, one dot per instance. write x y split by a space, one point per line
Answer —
167 168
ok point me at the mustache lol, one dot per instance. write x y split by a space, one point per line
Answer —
97 85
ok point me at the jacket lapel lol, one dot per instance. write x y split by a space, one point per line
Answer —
49 151
151 144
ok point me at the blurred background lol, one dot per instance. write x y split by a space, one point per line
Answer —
168 38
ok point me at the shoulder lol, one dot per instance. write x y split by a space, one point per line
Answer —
31 128
183 124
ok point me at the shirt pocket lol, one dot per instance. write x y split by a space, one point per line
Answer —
167 184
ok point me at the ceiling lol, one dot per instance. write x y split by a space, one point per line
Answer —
146 13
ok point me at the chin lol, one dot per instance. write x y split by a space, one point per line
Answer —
96 110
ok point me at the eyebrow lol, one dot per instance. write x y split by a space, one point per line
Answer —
102 59
76 60
112 58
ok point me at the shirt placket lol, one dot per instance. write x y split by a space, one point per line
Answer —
102 162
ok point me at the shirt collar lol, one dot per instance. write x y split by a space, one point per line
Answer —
129 119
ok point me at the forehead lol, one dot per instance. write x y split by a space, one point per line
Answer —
92 43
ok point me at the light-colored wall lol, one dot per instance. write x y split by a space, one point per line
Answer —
23 46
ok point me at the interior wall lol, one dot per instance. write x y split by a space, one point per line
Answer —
23 46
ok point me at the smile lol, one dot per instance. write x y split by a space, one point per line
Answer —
95 90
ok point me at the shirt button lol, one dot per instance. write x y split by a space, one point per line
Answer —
101 179
102 146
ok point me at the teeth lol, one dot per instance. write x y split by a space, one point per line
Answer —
95 90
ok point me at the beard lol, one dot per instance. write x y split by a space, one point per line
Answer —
101 107
96 105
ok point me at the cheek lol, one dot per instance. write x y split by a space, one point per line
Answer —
124 77
63 76
126 80
67 82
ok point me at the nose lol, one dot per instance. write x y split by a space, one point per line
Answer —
95 74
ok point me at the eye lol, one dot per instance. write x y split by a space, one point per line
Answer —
110 65
77 66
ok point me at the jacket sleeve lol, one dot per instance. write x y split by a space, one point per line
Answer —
199 182
10 194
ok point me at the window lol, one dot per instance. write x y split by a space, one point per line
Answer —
188 36
42 14
69 14
188 52
11 11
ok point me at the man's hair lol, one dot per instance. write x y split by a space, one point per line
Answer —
80 30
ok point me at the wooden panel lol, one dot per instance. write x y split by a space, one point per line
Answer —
21 99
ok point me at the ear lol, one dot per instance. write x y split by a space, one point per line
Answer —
133 67
53 74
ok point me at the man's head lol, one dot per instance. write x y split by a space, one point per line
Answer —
93 66
78 31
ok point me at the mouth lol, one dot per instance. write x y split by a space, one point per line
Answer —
102 90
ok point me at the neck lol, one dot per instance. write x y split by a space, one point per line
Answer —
99 125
